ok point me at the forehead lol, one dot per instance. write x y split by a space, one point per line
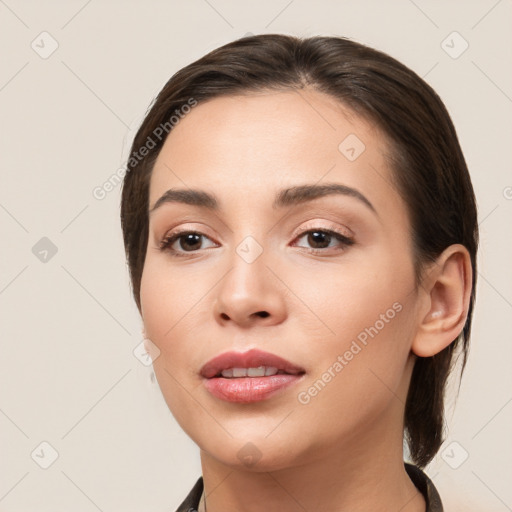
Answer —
263 141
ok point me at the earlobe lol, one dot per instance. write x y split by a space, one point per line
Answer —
447 292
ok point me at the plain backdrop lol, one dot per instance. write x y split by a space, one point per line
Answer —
76 78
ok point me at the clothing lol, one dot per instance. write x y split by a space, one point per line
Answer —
418 477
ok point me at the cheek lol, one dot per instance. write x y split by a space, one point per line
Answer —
363 292
170 299
167 305
176 309
367 324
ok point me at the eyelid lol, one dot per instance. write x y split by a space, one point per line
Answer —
331 226
185 228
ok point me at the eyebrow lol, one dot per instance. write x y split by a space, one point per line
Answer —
284 198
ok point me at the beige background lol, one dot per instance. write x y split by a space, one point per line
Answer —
68 375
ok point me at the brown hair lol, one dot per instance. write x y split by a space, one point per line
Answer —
428 166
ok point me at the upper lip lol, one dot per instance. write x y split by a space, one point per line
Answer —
250 359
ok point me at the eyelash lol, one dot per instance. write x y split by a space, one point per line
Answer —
168 241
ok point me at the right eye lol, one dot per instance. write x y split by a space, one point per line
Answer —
188 241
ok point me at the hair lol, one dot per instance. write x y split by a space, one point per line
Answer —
428 167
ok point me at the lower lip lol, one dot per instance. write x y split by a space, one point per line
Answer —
249 389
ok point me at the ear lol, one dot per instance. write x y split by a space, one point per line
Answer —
444 301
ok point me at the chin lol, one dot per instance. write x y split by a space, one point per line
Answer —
257 455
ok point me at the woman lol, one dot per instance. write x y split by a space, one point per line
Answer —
301 232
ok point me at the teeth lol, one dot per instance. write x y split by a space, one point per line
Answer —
256 372
261 371
239 372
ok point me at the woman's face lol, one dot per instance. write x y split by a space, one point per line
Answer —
324 281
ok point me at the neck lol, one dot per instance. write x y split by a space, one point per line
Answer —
352 480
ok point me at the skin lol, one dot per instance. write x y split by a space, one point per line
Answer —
343 449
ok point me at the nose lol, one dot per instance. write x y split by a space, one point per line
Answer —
251 293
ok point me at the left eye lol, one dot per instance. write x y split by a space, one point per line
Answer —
321 239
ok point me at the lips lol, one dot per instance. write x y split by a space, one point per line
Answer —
248 361
250 376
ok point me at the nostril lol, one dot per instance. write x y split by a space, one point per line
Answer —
263 314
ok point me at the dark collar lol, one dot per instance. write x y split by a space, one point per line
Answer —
420 480
191 502
426 487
